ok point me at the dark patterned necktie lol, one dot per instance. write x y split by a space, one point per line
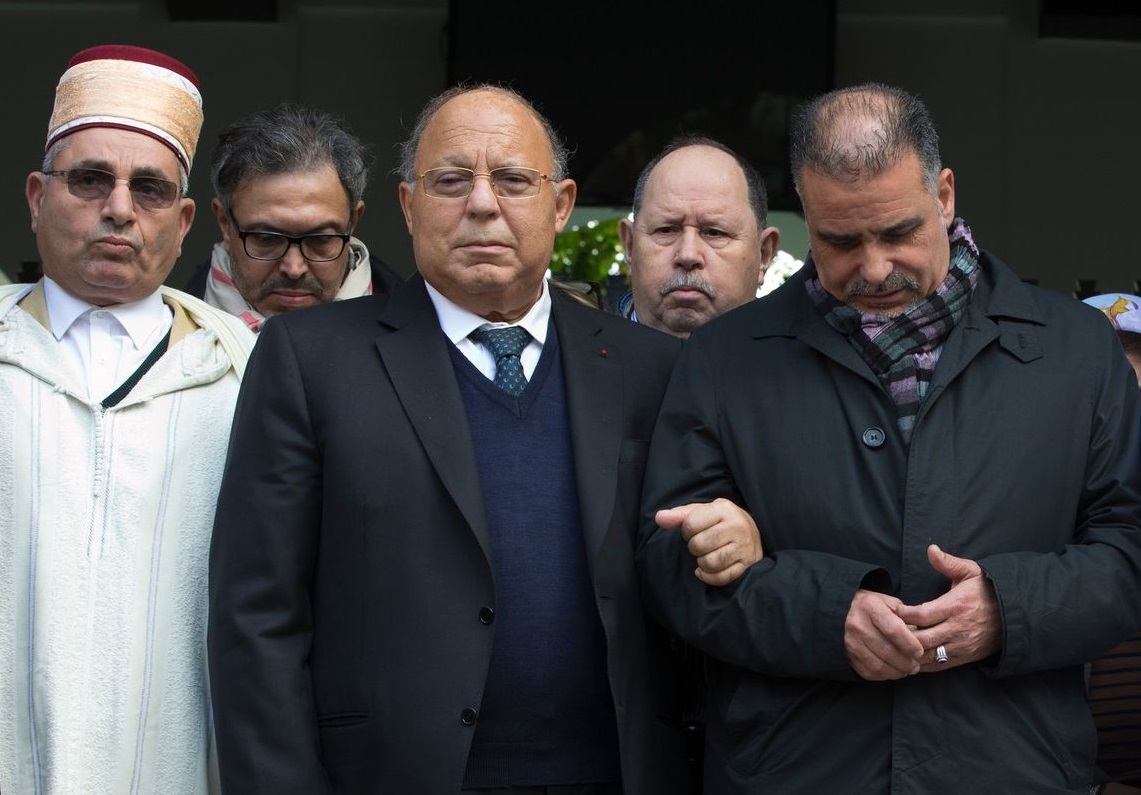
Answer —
505 345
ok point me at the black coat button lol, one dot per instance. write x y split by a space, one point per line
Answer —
486 615
467 717
874 437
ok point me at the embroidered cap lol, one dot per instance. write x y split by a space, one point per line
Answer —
132 88
1122 309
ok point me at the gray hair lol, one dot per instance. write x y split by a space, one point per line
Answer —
53 152
758 195
285 139
559 153
861 131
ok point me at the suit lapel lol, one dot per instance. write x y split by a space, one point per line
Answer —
593 376
415 355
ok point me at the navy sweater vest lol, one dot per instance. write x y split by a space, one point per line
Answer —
547 716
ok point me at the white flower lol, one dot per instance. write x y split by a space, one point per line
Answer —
782 266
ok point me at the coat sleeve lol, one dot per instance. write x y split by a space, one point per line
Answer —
1071 606
261 563
786 615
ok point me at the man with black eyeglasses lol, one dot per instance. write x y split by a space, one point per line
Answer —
115 401
288 187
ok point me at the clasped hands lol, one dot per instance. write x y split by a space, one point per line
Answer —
887 639
884 638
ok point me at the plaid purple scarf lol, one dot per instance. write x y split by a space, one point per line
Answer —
903 350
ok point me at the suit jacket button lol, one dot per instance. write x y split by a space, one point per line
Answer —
467 717
874 437
486 615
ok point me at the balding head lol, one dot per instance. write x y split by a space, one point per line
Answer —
857 133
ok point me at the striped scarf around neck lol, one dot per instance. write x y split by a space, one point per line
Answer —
223 293
903 350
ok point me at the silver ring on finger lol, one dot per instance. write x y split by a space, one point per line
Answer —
941 654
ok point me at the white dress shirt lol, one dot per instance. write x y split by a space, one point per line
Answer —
457 323
105 343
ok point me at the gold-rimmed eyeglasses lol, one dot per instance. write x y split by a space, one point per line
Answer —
509 182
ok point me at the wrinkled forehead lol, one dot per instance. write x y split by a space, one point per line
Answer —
701 171
120 151
486 123
707 184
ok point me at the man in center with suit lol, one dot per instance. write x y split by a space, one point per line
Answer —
422 573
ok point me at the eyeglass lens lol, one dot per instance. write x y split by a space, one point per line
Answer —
509 182
273 245
92 184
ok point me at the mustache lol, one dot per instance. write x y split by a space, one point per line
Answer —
894 281
307 283
690 281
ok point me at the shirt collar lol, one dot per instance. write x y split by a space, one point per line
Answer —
457 323
137 318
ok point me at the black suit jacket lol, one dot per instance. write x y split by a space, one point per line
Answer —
349 640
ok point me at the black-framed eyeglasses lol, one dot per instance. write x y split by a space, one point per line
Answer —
317 247
93 184
509 182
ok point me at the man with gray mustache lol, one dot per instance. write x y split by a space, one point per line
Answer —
937 464
697 244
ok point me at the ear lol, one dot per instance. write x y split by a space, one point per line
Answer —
356 216
567 190
185 219
770 243
34 189
407 193
626 235
945 196
221 216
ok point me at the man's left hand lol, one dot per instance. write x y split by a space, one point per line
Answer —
964 621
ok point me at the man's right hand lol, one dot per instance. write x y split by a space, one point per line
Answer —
721 535
879 644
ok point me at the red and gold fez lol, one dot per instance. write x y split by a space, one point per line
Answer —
132 88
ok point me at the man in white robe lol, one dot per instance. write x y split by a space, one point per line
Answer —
116 395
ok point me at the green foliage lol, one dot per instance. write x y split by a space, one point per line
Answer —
589 252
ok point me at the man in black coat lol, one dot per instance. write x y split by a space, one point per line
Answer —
942 463
422 575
